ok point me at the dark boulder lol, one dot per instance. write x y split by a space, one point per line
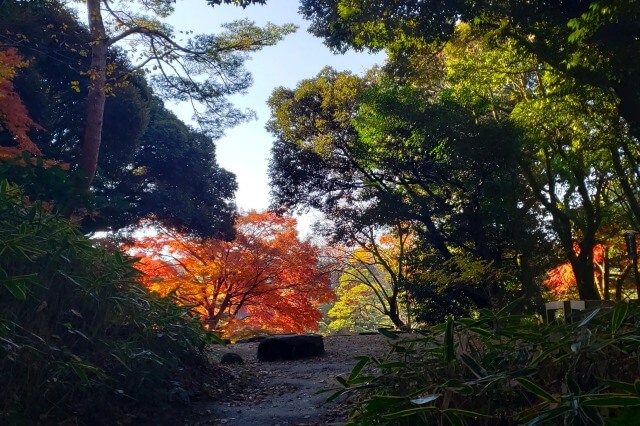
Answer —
290 346
231 358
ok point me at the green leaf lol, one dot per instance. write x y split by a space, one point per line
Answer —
623 386
589 317
449 347
458 387
536 390
453 418
525 372
612 401
363 360
343 381
473 365
15 289
387 333
591 413
573 386
335 395
545 417
510 307
466 413
618 317
79 370
407 413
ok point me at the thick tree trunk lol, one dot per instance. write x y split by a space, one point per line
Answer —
582 266
90 147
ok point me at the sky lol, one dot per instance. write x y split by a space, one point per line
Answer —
245 149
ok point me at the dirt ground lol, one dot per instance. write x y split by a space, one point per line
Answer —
285 392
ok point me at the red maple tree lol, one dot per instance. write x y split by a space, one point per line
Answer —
561 282
266 279
13 114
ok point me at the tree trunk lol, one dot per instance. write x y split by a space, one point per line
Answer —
394 314
582 266
90 147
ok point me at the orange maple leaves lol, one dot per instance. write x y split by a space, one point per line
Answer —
561 280
13 114
265 279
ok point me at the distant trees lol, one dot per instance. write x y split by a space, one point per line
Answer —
265 279
373 284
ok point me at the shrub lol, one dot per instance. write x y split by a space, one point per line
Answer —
78 334
505 369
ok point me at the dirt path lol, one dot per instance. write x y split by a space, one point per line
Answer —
284 393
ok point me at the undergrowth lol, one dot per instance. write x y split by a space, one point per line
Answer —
505 369
79 336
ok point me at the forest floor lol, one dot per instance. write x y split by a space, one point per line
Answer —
285 392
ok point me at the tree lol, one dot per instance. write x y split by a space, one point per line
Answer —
590 41
378 268
356 309
150 160
371 151
13 114
217 58
266 278
566 131
611 271
171 175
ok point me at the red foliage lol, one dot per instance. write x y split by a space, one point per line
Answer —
561 281
13 114
266 278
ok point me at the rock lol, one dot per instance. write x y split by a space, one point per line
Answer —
231 358
288 347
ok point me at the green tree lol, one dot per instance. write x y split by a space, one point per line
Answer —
204 69
381 263
150 160
371 152
590 41
566 133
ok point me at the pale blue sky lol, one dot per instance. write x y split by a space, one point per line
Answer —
245 150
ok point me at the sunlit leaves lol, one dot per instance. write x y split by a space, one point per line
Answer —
266 278
13 114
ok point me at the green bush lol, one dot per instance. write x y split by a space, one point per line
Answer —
79 335
505 369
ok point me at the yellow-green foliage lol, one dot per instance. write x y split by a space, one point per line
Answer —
356 309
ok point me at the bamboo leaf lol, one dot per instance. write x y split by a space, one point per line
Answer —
358 367
589 317
618 317
449 348
473 365
465 413
536 390
15 289
425 399
407 413
387 333
623 386
342 381
612 401
453 418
